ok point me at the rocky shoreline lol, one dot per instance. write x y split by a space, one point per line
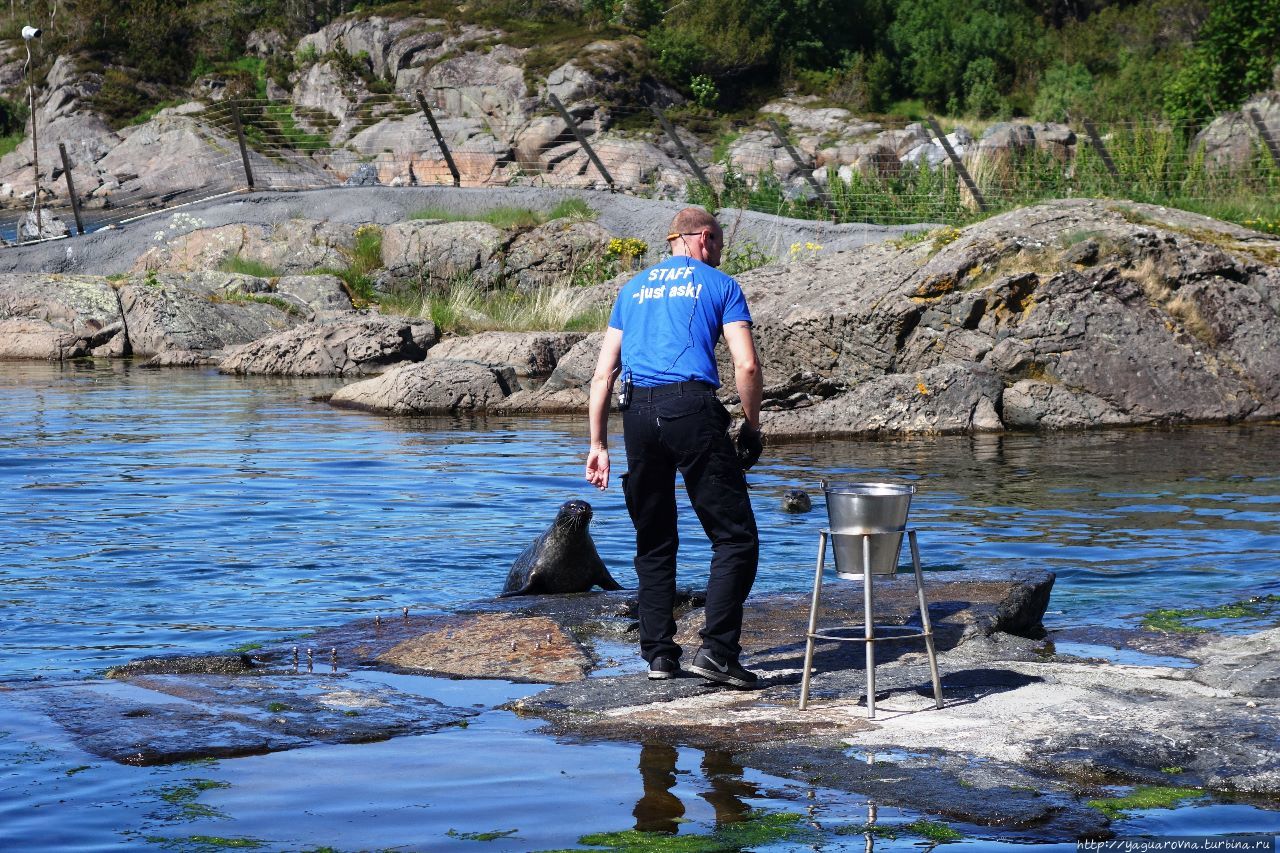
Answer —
1027 736
1068 314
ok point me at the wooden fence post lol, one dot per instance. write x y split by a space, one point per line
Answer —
958 163
244 148
1096 141
684 152
71 187
444 149
805 170
1266 136
582 140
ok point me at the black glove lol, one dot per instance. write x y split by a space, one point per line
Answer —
749 445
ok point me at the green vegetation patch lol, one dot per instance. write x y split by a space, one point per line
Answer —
205 843
237 298
760 828
182 800
1181 620
1144 797
931 830
248 266
464 308
493 835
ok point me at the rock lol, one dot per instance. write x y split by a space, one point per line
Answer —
57 317
354 346
200 312
1142 334
552 253
290 248
319 296
430 388
1230 140
175 152
630 162
365 175
531 356
184 665
566 389
536 137
42 226
1241 665
482 85
168 719
495 645
426 253
949 398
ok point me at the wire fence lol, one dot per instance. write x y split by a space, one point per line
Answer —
805 163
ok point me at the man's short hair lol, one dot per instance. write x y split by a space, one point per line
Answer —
692 220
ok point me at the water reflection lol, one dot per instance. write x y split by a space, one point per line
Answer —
659 809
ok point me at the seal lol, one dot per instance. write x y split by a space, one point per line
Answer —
562 560
796 500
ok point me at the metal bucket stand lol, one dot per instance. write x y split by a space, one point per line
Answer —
869 628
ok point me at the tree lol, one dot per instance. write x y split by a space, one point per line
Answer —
1234 57
937 40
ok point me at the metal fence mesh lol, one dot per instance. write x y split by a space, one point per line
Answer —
875 172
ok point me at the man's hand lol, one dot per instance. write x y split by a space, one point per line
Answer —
598 468
749 445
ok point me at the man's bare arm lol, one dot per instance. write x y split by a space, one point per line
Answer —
746 370
598 408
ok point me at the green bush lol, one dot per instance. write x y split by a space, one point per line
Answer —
1064 90
1234 56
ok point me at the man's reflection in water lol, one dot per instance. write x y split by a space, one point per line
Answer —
727 785
659 810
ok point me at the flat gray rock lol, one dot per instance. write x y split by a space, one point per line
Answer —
351 346
428 388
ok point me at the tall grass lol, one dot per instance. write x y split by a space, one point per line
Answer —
465 308
1155 164
248 266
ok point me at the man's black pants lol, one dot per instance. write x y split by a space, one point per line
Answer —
684 427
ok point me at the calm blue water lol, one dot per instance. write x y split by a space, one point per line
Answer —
151 511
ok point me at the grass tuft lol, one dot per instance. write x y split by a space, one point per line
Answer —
1144 797
248 266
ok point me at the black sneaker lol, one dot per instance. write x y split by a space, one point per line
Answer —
722 671
661 668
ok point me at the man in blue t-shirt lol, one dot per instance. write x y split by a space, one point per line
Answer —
661 342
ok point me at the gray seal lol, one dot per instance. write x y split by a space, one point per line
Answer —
562 560
796 500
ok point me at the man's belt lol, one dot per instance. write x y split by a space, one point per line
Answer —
691 387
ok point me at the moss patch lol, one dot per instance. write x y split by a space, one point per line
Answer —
760 828
932 830
1144 797
494 835
181 800
1181 621
201 843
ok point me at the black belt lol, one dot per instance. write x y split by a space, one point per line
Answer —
691 387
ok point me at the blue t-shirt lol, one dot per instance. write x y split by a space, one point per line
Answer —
670 316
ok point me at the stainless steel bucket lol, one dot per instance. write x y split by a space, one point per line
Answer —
873 508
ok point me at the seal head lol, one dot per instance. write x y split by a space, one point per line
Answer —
796 500
561 560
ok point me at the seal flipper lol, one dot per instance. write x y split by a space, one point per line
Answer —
605 580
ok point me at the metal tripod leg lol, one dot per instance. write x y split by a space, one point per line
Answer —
813 620
924 619
869 628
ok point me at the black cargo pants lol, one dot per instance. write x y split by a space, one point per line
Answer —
683 427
